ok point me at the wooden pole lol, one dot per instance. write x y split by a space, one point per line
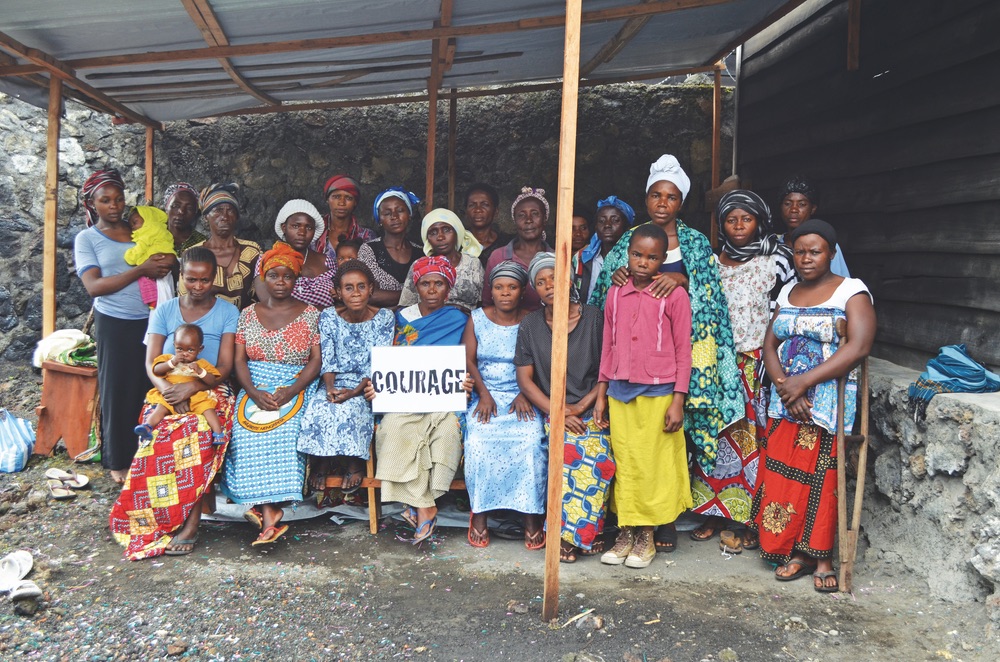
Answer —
149 164
51 207
716 143
432 107
853 34
452 144
560 321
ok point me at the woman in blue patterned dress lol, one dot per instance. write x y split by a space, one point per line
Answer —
341 424
505 452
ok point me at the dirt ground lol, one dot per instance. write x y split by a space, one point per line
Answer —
329 592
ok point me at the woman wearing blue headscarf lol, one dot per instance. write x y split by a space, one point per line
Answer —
390 255
614 217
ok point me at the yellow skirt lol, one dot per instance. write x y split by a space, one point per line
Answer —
652 486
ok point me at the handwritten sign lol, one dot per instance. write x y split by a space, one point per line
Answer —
418 380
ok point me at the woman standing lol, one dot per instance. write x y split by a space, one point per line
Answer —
747 268
505 452
614 217
799 202
805 353
180 201
445 236
120 316
589 465
342 195
715 397
481 205
277 361
297 223
146 526
390 256
530 212
236 257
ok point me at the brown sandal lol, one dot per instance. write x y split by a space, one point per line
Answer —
534 541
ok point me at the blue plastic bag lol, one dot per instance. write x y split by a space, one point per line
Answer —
17 440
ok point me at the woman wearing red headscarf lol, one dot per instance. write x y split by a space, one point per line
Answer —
342 195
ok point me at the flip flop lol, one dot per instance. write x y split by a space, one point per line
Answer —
509 530
421 535
25 589
567 552
535 542
254 517
665 538
13 568
263 539
59 491
483 536
177 552
823 576
730 543
751 540
804 569
70 479
347 478
409 515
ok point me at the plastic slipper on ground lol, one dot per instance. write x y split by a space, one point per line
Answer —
803 570
70 479
509 530
25 589
424 531
181 552
409 515
270 535
536 541
13 568
730 543
348 477
59 491
253 516
478 538
822 577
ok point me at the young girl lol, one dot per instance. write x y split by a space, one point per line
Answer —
178 368
645 370
151 237
342 423
348 250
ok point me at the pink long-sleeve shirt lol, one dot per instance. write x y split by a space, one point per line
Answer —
647 340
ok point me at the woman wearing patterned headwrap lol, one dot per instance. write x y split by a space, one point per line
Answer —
530 212
614 217
180 201
277 362
120 316
389 257
715 398
799 202
505 455
298 221
342 194
444 236
235 275
747 268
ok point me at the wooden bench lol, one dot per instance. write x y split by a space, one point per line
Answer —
69 394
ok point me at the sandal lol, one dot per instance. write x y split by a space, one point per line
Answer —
534 541
730 543
70 479
270 535
476 538
751 540
254 517
180 552
702 533
567 552
59 491
665 538
348 488
822 577
409 515
420 535
596 548
509 530
804 569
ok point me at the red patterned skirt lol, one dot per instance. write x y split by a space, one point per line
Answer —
795 508
167 478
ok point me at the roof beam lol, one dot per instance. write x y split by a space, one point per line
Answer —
767 22
402 36
614 46
60 70
204 18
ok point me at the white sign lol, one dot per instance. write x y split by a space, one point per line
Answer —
418 380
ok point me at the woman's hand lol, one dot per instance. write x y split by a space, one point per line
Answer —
468 384
264 400
673 420
620 276
801 409
157 266
575 425
601 413
369 391
177 395
791 388
523 408
664 283
487 407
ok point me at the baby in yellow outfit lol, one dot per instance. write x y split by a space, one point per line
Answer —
151 237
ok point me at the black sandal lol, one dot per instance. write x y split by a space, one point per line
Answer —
665 538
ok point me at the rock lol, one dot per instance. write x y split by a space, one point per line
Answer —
728 655
834 633
176 648
26 607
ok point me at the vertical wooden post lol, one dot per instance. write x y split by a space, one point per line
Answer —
452 143
432 109
716 143
149 164
51 207
853 34
560 320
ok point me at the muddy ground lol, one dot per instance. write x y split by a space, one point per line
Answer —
329 592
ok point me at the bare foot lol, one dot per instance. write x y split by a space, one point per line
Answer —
119 476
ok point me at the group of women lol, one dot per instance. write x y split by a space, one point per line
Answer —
292 328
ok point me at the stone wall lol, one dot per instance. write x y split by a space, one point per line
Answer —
933 495
507 141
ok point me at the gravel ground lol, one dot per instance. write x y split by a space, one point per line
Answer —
329 592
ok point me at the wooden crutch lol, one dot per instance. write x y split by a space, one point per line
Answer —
847 536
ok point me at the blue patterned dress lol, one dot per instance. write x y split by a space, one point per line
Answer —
506 460
331 429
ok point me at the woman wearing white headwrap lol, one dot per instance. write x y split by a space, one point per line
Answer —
445 236
298 223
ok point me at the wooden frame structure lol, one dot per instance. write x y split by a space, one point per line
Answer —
97 90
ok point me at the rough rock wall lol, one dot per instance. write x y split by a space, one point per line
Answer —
507 141
934 502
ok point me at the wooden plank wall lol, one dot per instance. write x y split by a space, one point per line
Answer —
906 152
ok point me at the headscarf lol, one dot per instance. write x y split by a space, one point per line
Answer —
176 188
528 192
298 206
765 243
546 260
815 226
409 198
219 194
467 243
799 184
425 266
668 169
281 255
342 183
510 269
94 183
588 252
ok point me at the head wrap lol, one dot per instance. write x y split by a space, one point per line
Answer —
342 183
298 206
409 199
176 188
528 192
281 255
94 183
510 269
467 243
219 194
799 184
815 226
593 248
546 260
765 243
668 169
425 266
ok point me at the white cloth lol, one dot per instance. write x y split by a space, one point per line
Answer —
668 168
298 206
51 346
164 290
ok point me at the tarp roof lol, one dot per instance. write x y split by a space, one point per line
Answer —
164 60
